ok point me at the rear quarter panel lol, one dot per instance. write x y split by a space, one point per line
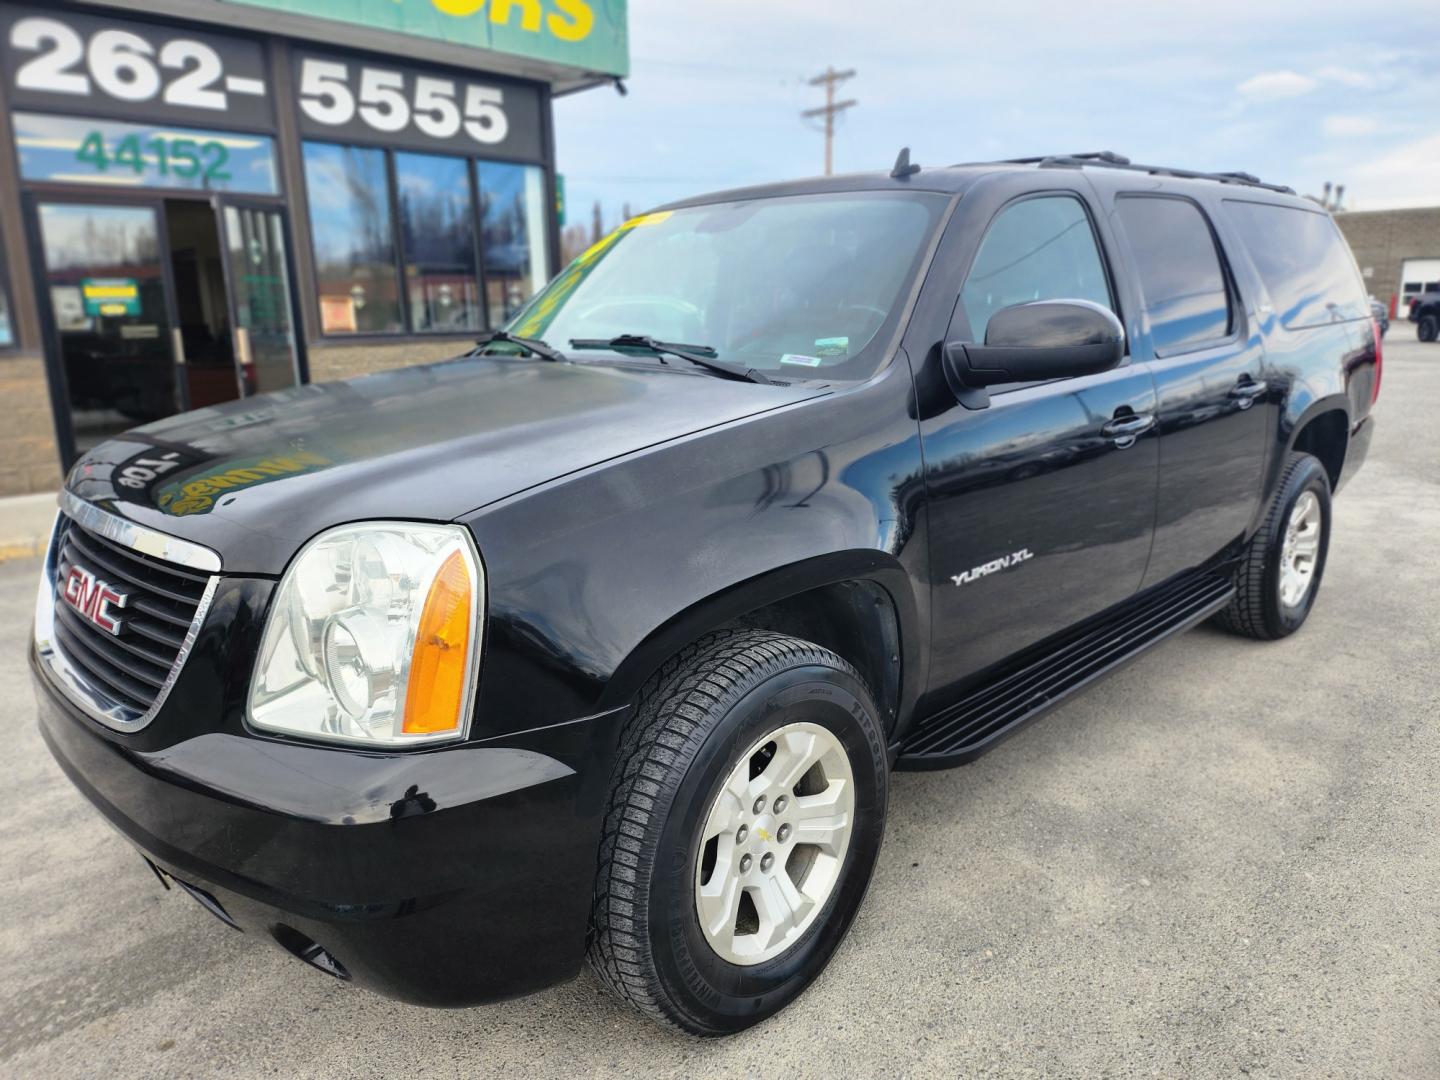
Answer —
1309 371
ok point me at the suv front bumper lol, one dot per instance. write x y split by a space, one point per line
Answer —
449 877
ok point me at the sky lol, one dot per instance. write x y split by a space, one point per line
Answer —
1297 93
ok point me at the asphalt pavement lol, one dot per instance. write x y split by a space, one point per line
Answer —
1225 860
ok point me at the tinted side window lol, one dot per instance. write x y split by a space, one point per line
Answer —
1037 249
1179 268
1303 261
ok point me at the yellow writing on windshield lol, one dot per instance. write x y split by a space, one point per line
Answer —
539 315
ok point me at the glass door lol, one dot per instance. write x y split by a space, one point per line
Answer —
257 271
104 276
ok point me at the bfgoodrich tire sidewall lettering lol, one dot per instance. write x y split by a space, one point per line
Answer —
684 958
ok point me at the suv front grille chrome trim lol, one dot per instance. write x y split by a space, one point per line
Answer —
85 676
146 541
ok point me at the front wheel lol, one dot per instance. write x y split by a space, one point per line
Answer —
746 814
1428 328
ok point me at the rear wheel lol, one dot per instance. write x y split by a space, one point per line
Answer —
1281 570
746 814
1428 328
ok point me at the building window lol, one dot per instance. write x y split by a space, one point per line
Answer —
512 212
402 257
354 237
437 236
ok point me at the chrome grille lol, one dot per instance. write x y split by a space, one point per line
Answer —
118 666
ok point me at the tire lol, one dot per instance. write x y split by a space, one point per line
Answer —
1261 608
695 723
1428 328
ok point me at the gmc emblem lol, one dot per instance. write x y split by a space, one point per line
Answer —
94 599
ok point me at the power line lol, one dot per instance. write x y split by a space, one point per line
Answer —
829 80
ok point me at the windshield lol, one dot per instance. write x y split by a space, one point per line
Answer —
806 286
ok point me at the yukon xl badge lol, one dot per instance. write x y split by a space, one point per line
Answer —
94 599
1002 563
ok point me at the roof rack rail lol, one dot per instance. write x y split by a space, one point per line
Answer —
1111 160
1090 157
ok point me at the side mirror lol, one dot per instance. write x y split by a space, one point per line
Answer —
1031 342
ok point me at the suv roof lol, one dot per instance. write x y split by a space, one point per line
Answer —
1110 159
953 179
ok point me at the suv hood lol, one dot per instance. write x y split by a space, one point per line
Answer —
255 479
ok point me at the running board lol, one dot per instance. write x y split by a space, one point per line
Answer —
1023 689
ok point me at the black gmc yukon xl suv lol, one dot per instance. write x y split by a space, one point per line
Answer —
602 640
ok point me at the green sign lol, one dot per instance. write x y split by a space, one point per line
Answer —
110 296
560 199
586 35
74 150
179 156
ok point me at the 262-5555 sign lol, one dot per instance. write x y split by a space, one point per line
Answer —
345 99
60 60
70 61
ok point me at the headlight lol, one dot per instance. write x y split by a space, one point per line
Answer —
374 637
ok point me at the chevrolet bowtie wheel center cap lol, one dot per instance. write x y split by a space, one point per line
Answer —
774 842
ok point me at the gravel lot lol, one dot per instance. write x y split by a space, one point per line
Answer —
1224 860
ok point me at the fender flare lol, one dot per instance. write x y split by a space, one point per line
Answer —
707 613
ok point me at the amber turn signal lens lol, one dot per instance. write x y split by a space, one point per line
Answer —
442 648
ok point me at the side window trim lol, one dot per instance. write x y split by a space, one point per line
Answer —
1233 299
1106 267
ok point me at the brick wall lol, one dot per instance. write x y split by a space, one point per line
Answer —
29 458
329 362
1383 239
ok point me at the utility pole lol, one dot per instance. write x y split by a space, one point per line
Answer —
830 108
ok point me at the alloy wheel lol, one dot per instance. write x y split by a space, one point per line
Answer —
1300 549
774 843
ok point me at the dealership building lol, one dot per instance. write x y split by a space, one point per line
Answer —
202 200
1398 252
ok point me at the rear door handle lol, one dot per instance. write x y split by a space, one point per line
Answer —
1126 429
1247 390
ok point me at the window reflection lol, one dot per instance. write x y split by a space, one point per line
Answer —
1179 272
437 229
354 239
512 214
1037 249
1304 262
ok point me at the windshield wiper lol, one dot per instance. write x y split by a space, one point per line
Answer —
533 346
703 355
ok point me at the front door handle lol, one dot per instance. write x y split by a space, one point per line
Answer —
1126 429
1247 390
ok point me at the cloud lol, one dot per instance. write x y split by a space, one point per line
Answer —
1403 177
1349 127
1355 80
1276 85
